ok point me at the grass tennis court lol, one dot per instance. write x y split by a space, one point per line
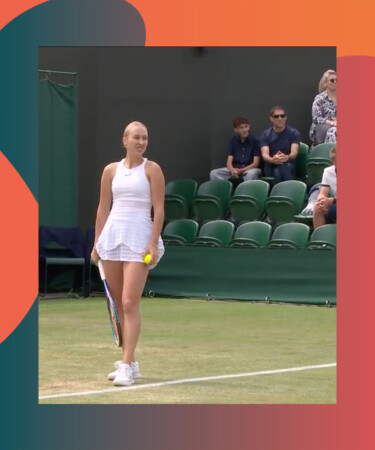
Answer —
191 339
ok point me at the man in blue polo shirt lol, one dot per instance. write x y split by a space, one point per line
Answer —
279 146
243 154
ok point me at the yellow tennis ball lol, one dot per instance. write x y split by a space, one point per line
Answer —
147 258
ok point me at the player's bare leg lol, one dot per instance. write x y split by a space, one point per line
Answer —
114 272
135 276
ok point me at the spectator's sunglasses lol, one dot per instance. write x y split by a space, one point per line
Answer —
333 80
277 116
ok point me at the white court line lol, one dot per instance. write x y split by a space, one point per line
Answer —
187 380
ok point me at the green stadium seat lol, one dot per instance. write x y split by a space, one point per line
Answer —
178 196
323 238
252 234
321 150
290 235
317 160
215 233
306 215
285 200
315 168
269 180
301 162
180 232
212 200
248 200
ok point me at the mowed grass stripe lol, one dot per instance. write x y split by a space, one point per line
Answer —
183 339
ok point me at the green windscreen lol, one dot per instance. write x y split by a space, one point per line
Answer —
278 275
58 158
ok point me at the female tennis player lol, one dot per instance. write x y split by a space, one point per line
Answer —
125 233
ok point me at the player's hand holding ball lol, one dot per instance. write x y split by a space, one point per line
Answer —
147 258
151 255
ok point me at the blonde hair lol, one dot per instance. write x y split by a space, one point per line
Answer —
131 125
323 80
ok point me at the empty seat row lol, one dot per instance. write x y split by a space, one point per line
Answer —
250 234
250 201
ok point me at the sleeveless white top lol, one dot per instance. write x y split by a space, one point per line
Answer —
127 231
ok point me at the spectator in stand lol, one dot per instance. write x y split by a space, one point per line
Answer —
243 154
279 147
324 123
325 207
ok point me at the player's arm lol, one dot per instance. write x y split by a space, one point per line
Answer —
105 201
157 183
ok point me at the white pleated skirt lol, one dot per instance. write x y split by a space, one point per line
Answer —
127 240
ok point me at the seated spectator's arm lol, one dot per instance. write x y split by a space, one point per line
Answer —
323 192
278 158
294 151
265 150
230 167
324 201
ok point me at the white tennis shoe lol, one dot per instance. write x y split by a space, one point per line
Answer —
124 375
135 370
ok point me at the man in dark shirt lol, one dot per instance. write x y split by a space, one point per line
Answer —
243 154
279 146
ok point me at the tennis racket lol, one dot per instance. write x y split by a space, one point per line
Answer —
112 310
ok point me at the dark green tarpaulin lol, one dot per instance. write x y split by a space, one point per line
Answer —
282 275
58 160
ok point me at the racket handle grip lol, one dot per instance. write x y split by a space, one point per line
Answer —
101 270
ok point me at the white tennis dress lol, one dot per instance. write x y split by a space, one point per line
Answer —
127 231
